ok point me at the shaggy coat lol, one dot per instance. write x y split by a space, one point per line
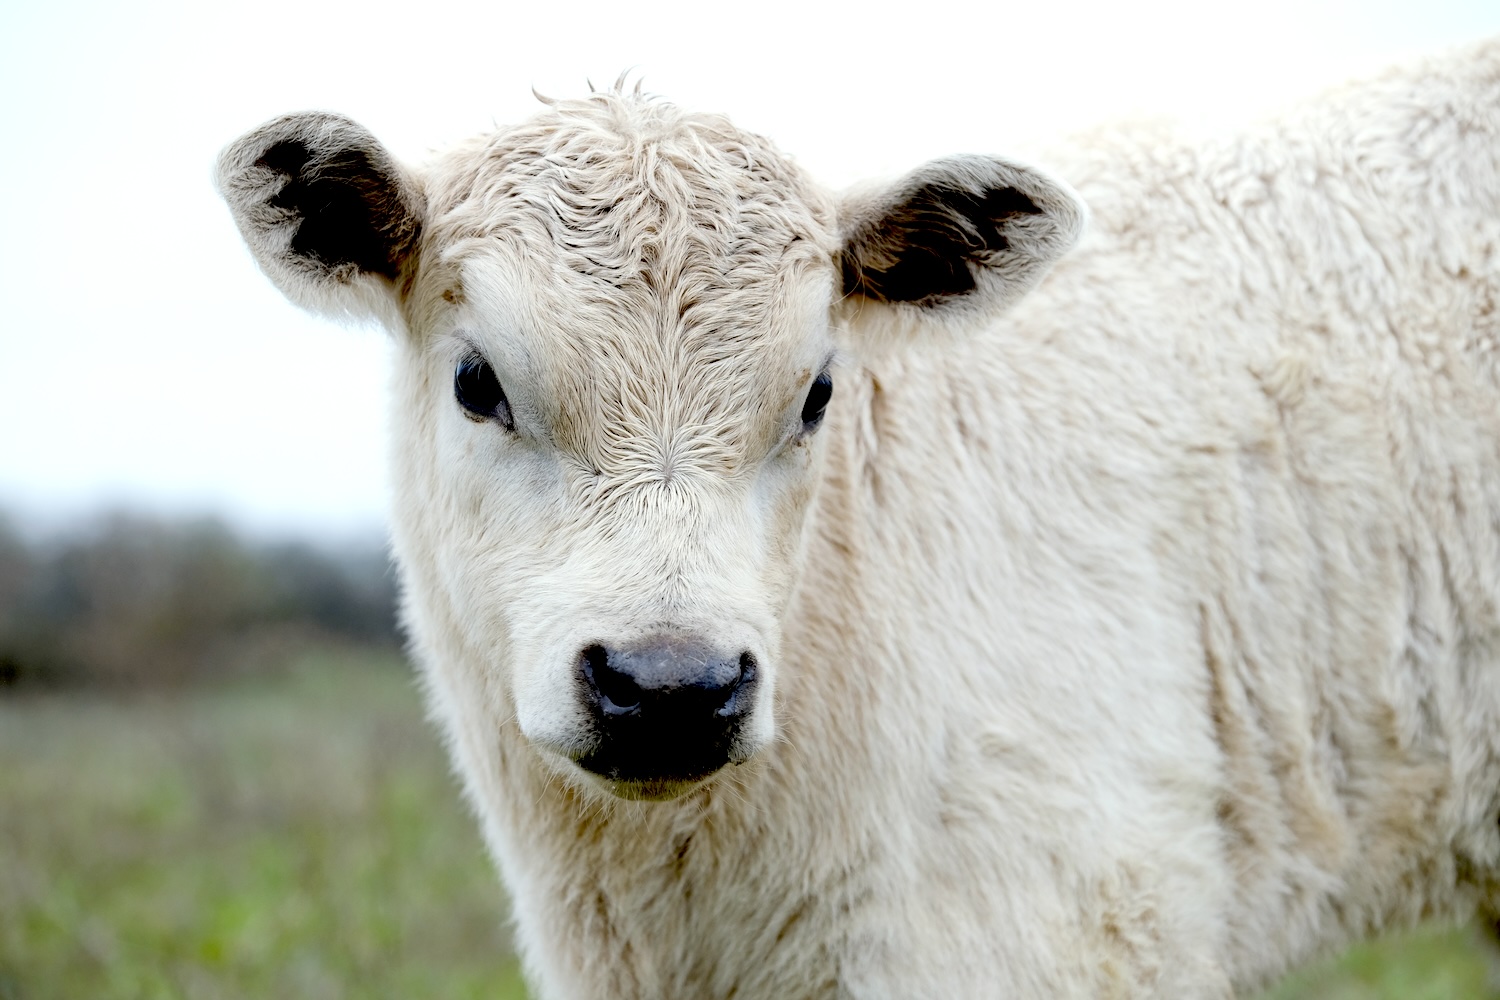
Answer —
1135 637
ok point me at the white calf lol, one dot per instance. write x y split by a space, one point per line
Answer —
811 616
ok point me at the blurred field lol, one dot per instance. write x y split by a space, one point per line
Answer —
1430 964
299 836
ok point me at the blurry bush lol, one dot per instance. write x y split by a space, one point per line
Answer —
140 600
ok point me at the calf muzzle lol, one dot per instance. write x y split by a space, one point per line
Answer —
664 710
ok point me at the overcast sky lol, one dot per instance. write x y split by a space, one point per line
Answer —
143 358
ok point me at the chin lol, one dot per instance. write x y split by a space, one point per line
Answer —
652 790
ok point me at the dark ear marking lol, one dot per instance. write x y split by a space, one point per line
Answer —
330 216
347 206
923 247
954 225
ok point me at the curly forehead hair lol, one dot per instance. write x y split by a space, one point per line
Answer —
634 192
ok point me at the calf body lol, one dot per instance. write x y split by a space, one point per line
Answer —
1137 636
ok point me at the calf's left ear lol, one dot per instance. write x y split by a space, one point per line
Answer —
330 216
963 231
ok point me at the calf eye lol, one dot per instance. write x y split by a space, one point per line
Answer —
478 391
817 402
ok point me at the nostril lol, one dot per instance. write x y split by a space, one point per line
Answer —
731 704
595 660
618 693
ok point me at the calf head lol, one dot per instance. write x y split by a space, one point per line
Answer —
617 335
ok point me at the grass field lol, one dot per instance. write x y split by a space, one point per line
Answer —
287 839
301 838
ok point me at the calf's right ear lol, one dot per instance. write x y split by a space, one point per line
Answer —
328 213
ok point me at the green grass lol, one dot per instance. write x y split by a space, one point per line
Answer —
300 837
291 838
1431 963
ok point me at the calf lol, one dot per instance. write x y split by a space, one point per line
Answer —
813 612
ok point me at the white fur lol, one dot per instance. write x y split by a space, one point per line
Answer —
1141 640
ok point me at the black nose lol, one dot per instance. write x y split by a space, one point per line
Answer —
668 709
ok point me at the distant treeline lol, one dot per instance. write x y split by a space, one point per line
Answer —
129 599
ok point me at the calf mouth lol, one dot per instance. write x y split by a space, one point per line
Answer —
638 759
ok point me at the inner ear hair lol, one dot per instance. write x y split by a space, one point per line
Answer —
953 226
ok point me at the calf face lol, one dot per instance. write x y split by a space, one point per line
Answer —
617 333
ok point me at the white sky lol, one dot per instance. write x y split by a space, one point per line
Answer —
144 359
